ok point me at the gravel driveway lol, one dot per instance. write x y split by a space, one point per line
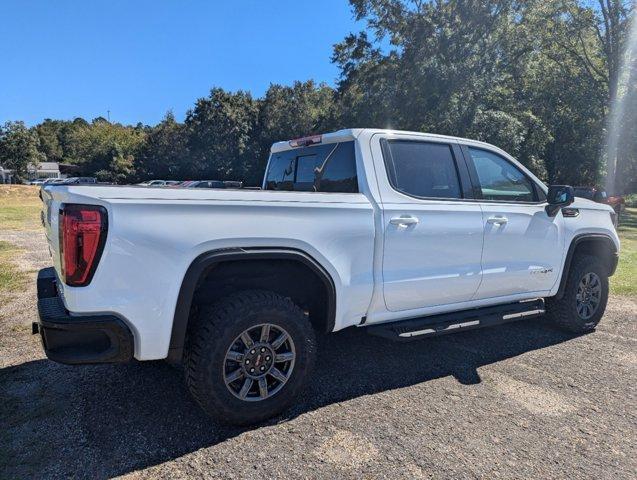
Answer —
518 401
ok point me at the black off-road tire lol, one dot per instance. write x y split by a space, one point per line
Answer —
563 312
214 331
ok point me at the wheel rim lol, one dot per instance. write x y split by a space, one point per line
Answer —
589 294
259 362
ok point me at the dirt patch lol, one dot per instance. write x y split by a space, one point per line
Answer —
346 450
628 358
26 255
537 400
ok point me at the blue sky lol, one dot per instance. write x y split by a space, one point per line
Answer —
138 59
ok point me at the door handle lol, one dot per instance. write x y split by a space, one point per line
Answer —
404 220
497 220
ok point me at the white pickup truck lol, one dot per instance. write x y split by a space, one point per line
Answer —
409 235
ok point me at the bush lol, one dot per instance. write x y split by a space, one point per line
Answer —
631 200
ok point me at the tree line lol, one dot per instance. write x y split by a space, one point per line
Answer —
537 78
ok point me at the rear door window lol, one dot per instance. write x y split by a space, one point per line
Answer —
422 169
321 168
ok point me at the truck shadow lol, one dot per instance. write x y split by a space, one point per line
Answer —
104 421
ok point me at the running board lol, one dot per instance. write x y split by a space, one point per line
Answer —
442 324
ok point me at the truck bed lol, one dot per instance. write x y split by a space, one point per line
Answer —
155 233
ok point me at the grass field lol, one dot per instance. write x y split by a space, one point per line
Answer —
624 282
11 277
20 210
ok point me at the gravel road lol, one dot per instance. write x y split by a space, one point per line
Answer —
517 401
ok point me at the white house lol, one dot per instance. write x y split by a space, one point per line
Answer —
43 171
6 176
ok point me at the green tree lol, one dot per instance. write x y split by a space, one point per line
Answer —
120 169
164 154
18 148
443 61
107 148
49 145
220 131
290 112
447 71
530 76
553 84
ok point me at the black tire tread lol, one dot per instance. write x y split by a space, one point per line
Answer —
213 327
563 312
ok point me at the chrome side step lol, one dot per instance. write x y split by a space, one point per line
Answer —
428 331
434 325
530 313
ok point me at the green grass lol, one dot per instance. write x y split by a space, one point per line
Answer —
19 207
11 278
19 210
624 282
21 217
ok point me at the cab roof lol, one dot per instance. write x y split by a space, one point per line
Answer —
353 133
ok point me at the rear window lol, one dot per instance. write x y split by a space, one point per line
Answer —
319 168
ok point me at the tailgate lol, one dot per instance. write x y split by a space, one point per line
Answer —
49 216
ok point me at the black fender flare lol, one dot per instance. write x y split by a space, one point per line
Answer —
578 239
207 260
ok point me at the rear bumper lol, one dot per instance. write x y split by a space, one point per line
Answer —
76 339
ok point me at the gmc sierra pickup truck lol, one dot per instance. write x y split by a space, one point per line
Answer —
409 235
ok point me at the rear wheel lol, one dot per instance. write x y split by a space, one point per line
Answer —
585 296
249 356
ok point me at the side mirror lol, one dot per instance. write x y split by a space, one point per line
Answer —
558 196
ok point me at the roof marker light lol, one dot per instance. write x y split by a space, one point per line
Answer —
305 141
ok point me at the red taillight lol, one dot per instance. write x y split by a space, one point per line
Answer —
82 236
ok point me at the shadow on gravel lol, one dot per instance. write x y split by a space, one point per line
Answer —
103 421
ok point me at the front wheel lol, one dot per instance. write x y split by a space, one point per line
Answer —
585 296
248 356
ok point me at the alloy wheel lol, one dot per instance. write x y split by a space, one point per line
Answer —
589 294
259 362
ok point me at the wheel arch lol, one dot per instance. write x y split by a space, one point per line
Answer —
206 262
597 244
